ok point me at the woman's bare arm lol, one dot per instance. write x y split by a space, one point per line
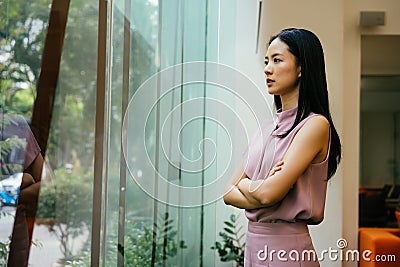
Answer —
36 168
232 195
310 142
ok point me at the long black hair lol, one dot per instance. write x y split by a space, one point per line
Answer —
313 93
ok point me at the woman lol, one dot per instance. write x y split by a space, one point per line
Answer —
303 149
29 159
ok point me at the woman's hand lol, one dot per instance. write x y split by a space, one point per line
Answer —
233 196
239 192
277 167
307 147
244 184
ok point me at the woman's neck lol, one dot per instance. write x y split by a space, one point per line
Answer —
288 106
289 101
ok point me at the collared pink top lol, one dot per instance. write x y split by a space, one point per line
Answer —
306 200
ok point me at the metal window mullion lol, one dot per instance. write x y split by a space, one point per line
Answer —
107 123
157 149
180 176
99 134
203 135
124 127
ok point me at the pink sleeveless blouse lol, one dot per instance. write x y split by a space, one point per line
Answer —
305 202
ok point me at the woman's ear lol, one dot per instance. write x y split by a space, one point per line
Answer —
299 70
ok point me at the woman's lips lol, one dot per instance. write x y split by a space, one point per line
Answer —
270 82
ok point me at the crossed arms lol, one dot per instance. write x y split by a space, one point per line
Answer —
310 145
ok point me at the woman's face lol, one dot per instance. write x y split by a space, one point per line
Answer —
281 70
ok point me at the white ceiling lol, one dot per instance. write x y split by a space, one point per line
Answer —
380 69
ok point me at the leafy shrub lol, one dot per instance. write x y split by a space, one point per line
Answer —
232 246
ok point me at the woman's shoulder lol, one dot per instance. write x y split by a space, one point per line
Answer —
317 119
315 126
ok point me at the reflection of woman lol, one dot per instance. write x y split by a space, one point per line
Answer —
31 161
303 149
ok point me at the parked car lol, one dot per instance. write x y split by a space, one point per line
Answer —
9 190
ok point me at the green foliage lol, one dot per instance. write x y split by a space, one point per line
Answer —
22 31
7 145
6 169
23 102
67 199
4 245
5 148
232 246
82 260
73 118
65 207
139 243
22 28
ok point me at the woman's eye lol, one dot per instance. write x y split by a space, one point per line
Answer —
276 60
266 63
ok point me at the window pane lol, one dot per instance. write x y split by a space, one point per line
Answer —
167 137
64 215
22 34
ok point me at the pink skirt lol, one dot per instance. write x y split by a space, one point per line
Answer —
279 245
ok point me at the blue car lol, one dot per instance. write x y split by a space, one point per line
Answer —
9 190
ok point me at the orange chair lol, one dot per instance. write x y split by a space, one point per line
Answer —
384 244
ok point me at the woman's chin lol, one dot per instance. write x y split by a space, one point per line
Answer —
271 91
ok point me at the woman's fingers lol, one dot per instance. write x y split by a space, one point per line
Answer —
277 167
279 163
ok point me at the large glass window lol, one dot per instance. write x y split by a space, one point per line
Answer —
170 121
168 146
62 229
160 35
23 28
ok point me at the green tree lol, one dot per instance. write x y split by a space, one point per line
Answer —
23 27
22 31
65 208
72 130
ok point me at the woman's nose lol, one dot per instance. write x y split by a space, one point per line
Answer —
267 69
